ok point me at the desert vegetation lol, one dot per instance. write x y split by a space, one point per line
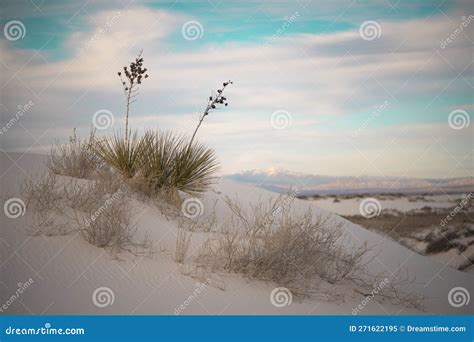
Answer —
76 158
91 184
154 163
99 210
306 253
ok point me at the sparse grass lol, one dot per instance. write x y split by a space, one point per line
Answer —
43 198
100 210
75 158
289 249
183 239
306 253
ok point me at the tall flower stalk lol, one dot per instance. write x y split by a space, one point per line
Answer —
214 100
134 74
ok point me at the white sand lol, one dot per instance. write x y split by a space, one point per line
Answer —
350 206
66 270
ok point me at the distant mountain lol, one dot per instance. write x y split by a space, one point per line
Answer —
307 184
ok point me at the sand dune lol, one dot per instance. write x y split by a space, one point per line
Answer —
66 270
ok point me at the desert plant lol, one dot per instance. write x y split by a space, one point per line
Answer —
298 250
183 239
195 168
134 75
169 163
292 250
124 155
159 158
100 210
214 100
75 158
43 198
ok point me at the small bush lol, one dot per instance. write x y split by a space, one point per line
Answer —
75 158
124 155
301 251
104 216
43 197
291 250
100 210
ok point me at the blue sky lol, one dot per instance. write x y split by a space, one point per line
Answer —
344 101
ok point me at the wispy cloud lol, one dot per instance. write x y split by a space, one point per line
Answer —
329 82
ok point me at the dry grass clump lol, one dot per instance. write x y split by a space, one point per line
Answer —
289 249
183 240
43 198
75 158
301 251
100 210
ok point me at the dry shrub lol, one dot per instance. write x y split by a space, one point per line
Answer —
100 210
43 198
183 239
301 251
75 158
288 249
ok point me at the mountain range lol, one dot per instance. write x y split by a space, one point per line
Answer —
308 184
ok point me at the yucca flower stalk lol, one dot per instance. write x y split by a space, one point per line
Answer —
212 103
134 76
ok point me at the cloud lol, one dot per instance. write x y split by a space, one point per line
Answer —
317 78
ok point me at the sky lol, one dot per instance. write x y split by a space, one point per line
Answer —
340 88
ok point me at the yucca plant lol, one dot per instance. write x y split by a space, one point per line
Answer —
168 162
158 158
124 155
134 75
194 169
